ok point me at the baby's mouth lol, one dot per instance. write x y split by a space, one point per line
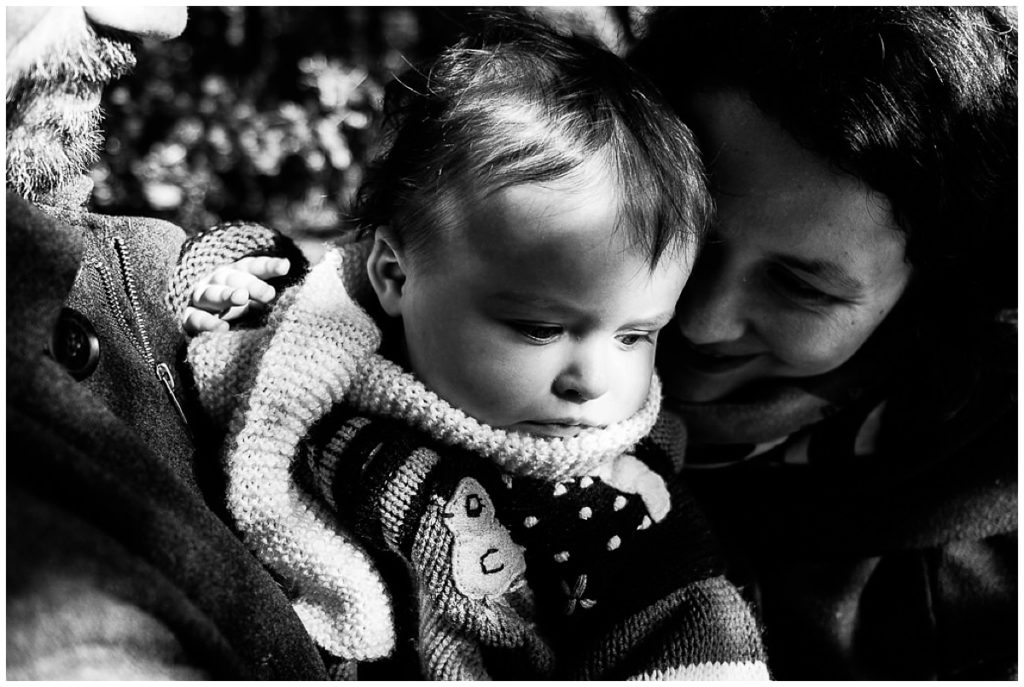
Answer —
563 429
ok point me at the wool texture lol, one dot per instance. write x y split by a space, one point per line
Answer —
336 454
117 565
337 591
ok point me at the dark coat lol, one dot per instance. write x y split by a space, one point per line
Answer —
116 565
903 568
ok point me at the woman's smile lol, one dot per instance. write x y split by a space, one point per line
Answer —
707 360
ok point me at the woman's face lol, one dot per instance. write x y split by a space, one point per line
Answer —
803 263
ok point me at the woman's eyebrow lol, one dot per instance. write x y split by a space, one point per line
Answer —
823 269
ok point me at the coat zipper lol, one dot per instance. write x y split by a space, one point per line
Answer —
138 334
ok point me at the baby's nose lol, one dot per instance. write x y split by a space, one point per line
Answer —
585 378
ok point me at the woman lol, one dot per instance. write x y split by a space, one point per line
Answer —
845 348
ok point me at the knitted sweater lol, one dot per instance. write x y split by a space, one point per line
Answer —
528 556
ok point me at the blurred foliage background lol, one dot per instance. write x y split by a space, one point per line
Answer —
267 114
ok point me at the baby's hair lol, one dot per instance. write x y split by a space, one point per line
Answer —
516 103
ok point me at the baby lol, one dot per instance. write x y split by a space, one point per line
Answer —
479 424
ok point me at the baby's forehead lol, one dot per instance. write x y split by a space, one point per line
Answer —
573 217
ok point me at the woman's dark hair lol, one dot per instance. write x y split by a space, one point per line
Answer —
516 102
918 102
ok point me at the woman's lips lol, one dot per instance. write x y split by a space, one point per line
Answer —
707 362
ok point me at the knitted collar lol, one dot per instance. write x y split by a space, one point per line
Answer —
382 388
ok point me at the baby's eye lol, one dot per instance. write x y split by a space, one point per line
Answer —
541 333
634 338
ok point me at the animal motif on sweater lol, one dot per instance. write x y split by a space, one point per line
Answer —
485 560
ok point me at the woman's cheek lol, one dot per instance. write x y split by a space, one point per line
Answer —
816 344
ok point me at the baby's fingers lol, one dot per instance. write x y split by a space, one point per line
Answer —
198 321
251 274
264 267
217 298
255 288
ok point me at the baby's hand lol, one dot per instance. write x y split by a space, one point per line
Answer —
231 291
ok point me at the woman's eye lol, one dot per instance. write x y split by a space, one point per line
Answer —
543 333
797 289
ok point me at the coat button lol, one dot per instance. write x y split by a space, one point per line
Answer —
74 343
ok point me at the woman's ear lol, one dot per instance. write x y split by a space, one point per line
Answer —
384 266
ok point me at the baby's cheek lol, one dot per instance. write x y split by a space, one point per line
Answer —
501 385
633 382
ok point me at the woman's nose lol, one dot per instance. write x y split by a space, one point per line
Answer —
712 308
585 377
147 22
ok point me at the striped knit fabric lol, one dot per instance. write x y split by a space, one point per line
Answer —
532 557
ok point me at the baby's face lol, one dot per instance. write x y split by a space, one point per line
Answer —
540 317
